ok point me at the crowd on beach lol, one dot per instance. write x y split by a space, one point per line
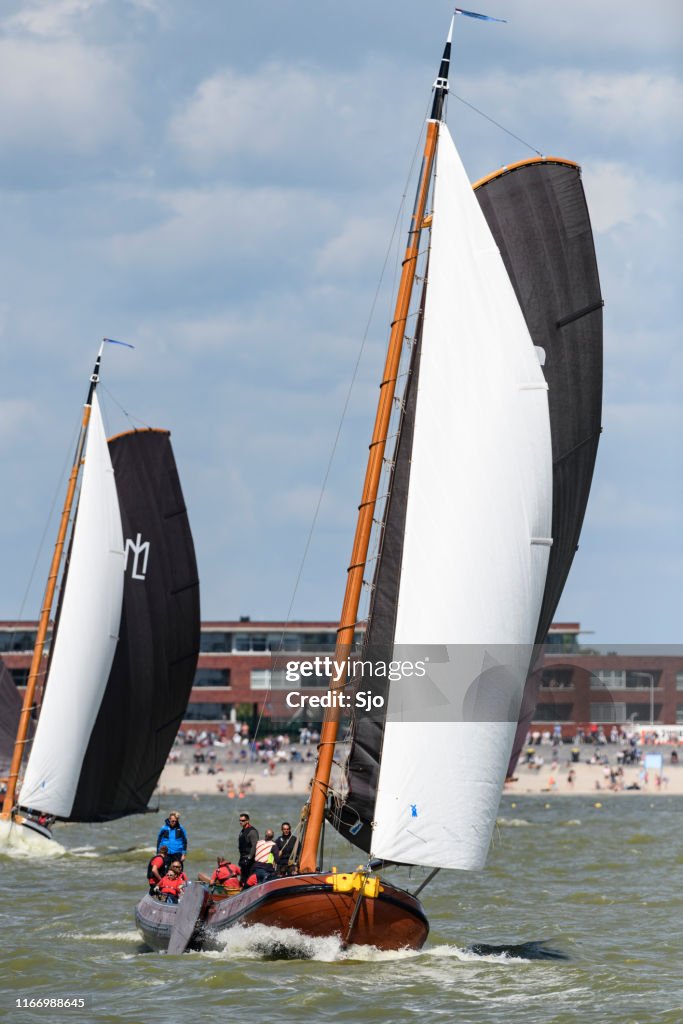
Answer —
212 753
644 751
258 860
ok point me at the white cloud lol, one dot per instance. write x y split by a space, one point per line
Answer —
298 114
62 97
231 222
61 19
610 27
639 108
50 18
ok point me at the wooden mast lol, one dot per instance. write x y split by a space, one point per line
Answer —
366 509
46 611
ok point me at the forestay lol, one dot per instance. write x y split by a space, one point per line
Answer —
475 553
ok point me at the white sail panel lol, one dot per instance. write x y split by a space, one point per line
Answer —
84 646
476 546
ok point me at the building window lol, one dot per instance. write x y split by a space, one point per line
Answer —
323 643
212 677
23 641
261 679
553 713
679 680
679 714
246 642
613 712
19 675
270 679
204 712
640 713
215 641
566 642
557 678
624 679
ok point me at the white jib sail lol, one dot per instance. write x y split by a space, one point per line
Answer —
476 549
86 639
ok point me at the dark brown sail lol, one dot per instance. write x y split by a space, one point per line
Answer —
154 665
537 213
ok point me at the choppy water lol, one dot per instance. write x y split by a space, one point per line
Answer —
601 884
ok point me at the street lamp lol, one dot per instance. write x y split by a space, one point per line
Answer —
648 675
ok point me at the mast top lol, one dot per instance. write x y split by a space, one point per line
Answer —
441 82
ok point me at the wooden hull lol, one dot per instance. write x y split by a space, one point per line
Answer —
308 903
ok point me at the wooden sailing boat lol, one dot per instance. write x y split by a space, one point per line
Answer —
461 576
126 640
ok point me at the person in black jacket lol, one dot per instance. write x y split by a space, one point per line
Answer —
285 849
247 841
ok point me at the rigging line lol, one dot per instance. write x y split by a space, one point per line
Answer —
129 416
57 492
498 125
349 392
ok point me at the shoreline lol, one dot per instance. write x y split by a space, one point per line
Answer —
528 781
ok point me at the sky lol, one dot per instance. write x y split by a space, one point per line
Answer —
218 184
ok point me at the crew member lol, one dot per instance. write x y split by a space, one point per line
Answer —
226 875
156 869
174 837
247 841
264 859
285 849
178 868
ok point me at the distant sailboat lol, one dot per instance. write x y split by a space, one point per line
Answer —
126 639
464 549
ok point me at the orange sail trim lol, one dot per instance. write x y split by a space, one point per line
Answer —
524 163
141 430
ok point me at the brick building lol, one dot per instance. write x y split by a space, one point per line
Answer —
235 678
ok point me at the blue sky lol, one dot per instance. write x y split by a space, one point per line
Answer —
217 183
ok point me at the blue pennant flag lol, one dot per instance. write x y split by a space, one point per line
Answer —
482 17
113 341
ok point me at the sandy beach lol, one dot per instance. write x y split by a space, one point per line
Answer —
256 779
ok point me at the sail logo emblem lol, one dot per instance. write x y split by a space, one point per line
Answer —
140 551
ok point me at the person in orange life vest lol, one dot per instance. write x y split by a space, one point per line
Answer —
226 875
170 887
156 869
264 859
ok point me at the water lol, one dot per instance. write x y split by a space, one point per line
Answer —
600 884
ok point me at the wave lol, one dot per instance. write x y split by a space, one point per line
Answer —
19 842
262 942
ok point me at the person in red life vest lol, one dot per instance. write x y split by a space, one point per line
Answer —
226 875
178 868
264 859
170 887
156 869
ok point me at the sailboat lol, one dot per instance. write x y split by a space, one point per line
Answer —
464 548
126 637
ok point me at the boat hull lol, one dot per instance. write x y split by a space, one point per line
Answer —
308 903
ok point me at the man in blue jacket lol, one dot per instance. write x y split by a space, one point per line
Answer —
174 837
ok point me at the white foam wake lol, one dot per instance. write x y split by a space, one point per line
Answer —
17 841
